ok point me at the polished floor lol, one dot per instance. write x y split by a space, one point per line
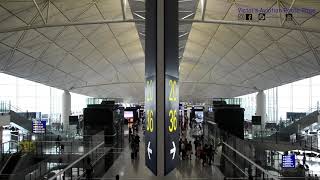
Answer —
136 169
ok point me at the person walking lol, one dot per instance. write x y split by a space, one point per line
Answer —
130 134
189 150
89 169
304 159
180 144
203 155
198 151
183 150
58 144
210 155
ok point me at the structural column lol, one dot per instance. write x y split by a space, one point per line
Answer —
161 87
66 109
261 107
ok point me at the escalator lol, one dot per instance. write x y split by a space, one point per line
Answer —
10 165
284 133
20 120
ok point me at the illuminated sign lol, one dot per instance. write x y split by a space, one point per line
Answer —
171 123
288 161
151 133
161 87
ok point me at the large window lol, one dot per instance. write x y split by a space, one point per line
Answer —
299 96
29 96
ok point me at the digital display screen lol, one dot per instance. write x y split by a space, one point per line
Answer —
38 126
288 161
73 120
256 120
128 114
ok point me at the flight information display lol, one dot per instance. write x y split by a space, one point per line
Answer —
38 126
288 161
128 114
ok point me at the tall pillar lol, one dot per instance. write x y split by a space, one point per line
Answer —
261 107
161 90
66 109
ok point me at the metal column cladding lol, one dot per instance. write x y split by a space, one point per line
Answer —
171 53
161 86
150 86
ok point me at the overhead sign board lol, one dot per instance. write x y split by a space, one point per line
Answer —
288 161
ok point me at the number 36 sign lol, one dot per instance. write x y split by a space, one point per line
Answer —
171 122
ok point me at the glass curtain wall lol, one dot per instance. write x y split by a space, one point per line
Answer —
24 95
299 96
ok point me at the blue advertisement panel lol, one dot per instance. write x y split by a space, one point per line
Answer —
38 126
288 161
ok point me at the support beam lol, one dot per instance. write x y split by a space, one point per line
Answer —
292 3
48 12
261 107
66 109
242 23
123 9
39 11
280 15
203 9
106 84
225 22
67 24
314 51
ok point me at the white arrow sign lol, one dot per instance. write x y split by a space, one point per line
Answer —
149 150
173 150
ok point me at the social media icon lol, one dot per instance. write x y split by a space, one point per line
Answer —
262 16
248 17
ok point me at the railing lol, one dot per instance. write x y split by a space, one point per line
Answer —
38 170
46 144
70 151
242 158
9 147
79 165
305 142
92 157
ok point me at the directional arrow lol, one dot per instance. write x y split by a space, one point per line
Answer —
149 150
173 150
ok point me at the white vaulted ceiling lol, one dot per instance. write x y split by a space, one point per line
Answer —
107 60
73 57
222 60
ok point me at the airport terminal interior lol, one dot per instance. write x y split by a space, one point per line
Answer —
159 89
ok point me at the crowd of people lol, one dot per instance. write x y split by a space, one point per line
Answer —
201 151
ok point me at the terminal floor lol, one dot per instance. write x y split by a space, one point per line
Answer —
136 169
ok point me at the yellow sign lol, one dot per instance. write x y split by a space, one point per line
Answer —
150 120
